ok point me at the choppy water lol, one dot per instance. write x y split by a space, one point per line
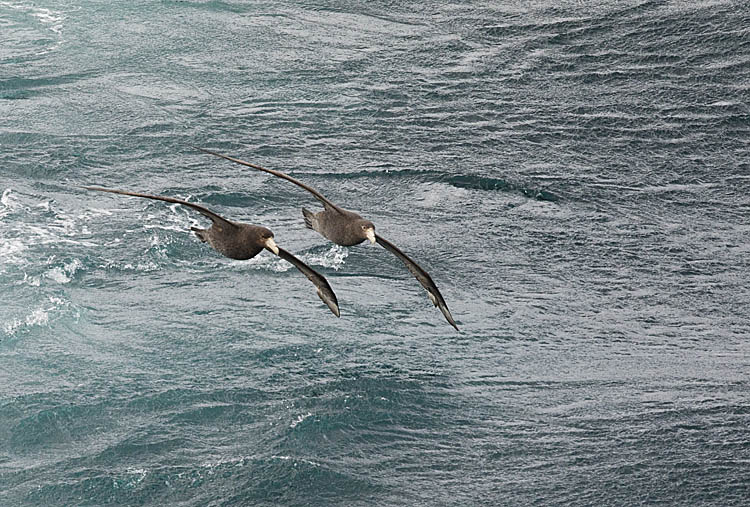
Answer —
574 175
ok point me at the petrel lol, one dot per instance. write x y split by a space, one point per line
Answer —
243 241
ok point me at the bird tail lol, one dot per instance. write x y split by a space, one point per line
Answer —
309 218
200 233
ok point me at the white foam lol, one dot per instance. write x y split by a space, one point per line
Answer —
288 458
53 20
333 258
33 281
38 317
133 477
176 228
139 473
47 16
11 251
175 221
65 273
724 103
141 266
8 201
156 241
299 419
20 236
432 195
57 275
92 212
275 265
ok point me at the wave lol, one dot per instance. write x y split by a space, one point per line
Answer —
38 317
333 258
466 181
36 258
33 224
485 183
64 274
8 201
11 250
41 316
251 479
48 19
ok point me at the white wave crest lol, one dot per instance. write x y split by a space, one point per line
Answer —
40 316
7 200
9 203
11 250
22 239
144 267
332 258
299 419
50 19
64 273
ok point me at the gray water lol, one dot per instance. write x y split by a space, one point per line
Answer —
573 175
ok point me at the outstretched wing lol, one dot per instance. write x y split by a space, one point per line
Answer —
422 276
216 219
328 204
325 292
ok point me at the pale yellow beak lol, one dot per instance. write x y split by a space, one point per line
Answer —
370 233
271 245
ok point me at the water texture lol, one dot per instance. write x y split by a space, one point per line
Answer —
574 176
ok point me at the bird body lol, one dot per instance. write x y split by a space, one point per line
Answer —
240 241
343 227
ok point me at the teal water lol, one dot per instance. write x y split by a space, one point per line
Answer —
573 175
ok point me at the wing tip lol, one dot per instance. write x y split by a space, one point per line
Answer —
335 309
329 298
205 150
333 306
448 316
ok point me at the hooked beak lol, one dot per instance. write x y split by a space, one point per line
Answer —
271 245
370 233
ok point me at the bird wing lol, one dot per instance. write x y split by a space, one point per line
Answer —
328 204
422 276
216 219
325 292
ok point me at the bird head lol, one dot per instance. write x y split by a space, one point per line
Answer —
266 239
366 230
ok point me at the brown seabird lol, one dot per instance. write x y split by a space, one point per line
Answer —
243 241
347 228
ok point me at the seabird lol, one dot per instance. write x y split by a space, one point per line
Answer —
347 228
243 241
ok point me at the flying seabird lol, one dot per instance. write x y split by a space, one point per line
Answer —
243 241
347 228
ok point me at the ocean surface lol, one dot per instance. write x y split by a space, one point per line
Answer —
574 175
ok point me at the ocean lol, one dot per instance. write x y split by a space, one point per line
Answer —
574 176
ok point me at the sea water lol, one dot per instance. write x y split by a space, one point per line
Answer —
574 176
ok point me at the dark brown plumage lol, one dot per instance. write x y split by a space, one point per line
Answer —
343 227
243 241
347 228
